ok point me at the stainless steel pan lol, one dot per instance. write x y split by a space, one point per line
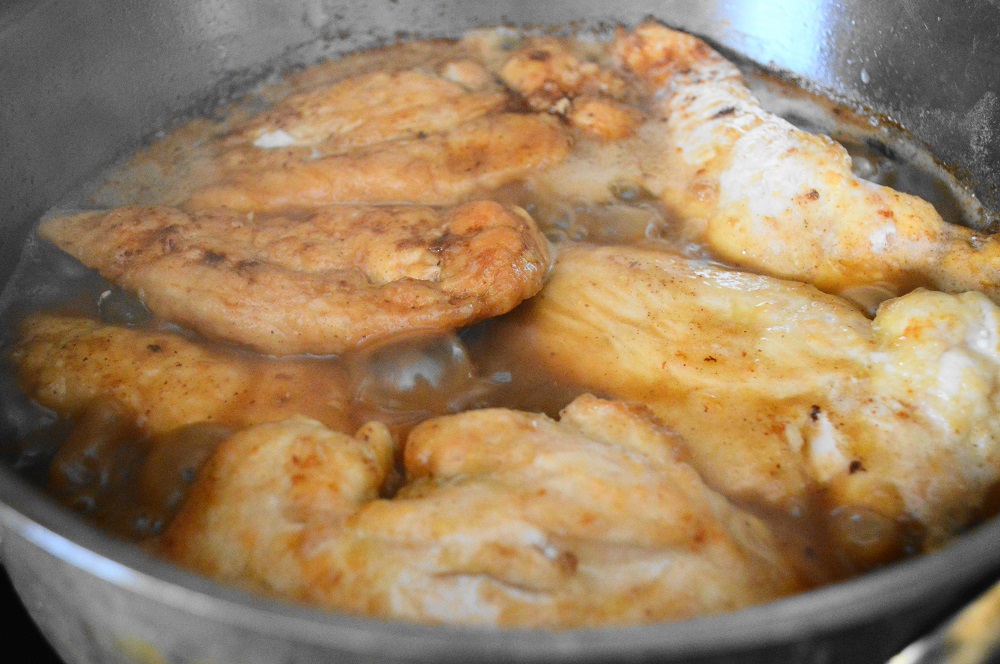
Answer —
83 83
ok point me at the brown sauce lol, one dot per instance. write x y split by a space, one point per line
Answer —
102 466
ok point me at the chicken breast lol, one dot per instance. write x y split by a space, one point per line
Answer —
780 389
145 408
270 496
340 117
166 381
507 519
437 133
319 282
436 169
779 200
374 108
360 99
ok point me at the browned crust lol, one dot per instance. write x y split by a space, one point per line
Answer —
318 283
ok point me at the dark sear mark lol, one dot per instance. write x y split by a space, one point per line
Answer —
210 257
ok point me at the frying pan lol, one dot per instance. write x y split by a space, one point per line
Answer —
82 83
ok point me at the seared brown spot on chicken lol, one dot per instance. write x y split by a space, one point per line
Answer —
507 518
316 283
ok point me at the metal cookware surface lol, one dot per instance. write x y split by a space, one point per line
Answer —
83 83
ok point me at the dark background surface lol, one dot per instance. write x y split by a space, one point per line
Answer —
19 631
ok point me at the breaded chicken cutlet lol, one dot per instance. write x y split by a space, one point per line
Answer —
507 519
317 283
166 381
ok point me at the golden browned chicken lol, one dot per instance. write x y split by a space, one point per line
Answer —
147 407
438 133
410 136
778 420
771 197
319 282
780 389
606 107
507 519
334 119
551 77
437 169
269 498
166 381
400 91
373 108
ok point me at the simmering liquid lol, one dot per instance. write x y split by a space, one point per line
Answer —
105 468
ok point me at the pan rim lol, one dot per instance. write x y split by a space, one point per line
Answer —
28 514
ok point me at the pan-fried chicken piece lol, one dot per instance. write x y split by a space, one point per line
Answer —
558 76
148 407
771 197
437 134
580 82
374 108
354 113
166 381
379 95
437 169
779 388
320 282
551 77
269 497
508 519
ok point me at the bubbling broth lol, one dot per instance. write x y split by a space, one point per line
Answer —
106 464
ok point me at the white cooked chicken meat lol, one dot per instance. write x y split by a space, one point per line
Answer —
506 519
779 200
782 390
